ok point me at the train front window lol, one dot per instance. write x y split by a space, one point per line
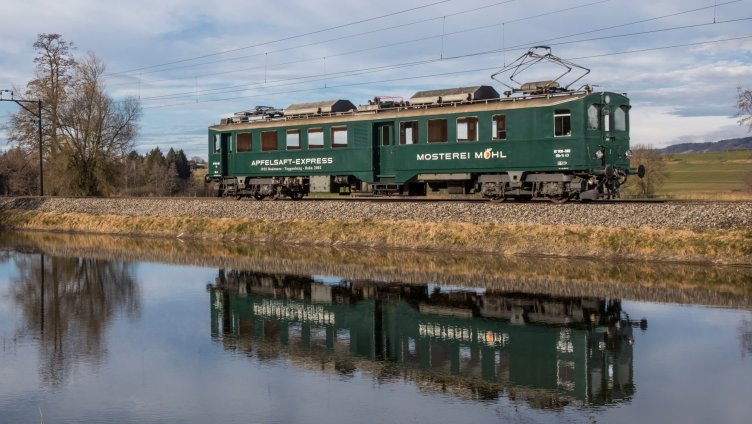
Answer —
268 141
593 117
620 118
217 143
499 127
339 136
562 123
467 128
293 139
316 138
409 132
244 142
437 130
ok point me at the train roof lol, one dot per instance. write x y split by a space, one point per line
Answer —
423 103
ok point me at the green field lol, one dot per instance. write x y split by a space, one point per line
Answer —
712 175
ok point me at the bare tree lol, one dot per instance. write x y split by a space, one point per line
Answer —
85 132
98 131
54 67
744 113
744 107
655 175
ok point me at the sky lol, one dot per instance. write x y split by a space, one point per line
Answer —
191 62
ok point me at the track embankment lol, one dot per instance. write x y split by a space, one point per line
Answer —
718 232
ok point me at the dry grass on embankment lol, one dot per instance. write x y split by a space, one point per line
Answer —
718 246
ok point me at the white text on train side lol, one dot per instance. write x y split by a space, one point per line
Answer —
298 161
486 154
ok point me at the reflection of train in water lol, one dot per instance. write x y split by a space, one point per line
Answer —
550 351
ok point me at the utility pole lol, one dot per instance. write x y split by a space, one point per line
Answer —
38 114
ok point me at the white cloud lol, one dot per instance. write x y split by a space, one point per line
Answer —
661 126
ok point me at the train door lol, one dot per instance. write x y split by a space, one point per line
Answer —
384 151
224 151
218 149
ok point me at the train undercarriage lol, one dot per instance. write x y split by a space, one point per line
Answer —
518 186
556 187
263 188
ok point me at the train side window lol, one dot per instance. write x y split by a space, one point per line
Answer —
620 118
386 135
499 127
562 123
593 117
244 142
409 132
268 141
217 143
293 139
339 136
467 128
437 131
316 138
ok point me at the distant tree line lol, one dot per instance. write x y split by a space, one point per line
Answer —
156 174
152 174
19 174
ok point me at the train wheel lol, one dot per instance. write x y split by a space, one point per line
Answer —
559 200
497 199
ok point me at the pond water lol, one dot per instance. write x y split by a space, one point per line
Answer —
90 339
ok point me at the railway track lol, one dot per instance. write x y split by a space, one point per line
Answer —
393 199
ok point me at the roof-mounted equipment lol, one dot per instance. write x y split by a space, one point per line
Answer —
383 102
256 114
318 108
453 95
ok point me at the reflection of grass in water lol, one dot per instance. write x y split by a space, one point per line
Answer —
664 282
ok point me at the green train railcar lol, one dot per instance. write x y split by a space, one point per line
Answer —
555 144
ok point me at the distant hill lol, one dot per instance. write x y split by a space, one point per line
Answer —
717 146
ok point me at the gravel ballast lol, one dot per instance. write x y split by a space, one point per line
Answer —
694 216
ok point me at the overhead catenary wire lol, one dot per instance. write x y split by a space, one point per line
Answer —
360 71
502 24
459 72
329 40
340 38
475 28
292 37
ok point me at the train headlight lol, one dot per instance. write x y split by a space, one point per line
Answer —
599 154
628 154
